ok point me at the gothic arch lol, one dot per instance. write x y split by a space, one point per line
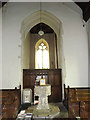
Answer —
50 20
41 40
36 46
55 24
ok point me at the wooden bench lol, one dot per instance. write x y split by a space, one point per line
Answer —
76 97
9 102
78 100
85 109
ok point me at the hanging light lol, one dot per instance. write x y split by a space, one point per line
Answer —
41 32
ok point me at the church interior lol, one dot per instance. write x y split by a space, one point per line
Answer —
45 60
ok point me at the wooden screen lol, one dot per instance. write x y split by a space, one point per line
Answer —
53 77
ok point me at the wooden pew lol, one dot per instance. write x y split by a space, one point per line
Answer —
78 102
77 96
85 109
9 102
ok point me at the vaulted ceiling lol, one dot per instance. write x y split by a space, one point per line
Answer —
85 7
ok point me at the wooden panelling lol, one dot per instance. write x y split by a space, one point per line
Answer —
53 77
55 94
26 82
57 77
32 80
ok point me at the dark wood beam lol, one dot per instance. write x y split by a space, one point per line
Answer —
2 4
85 6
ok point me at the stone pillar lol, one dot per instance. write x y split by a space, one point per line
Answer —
43 92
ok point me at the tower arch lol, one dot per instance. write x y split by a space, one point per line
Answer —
51 20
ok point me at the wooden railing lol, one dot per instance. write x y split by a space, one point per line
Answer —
78 102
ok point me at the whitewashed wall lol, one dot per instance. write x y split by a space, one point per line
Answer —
0 48
75 42
26 52
88 30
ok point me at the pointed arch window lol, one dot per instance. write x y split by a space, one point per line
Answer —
42 54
